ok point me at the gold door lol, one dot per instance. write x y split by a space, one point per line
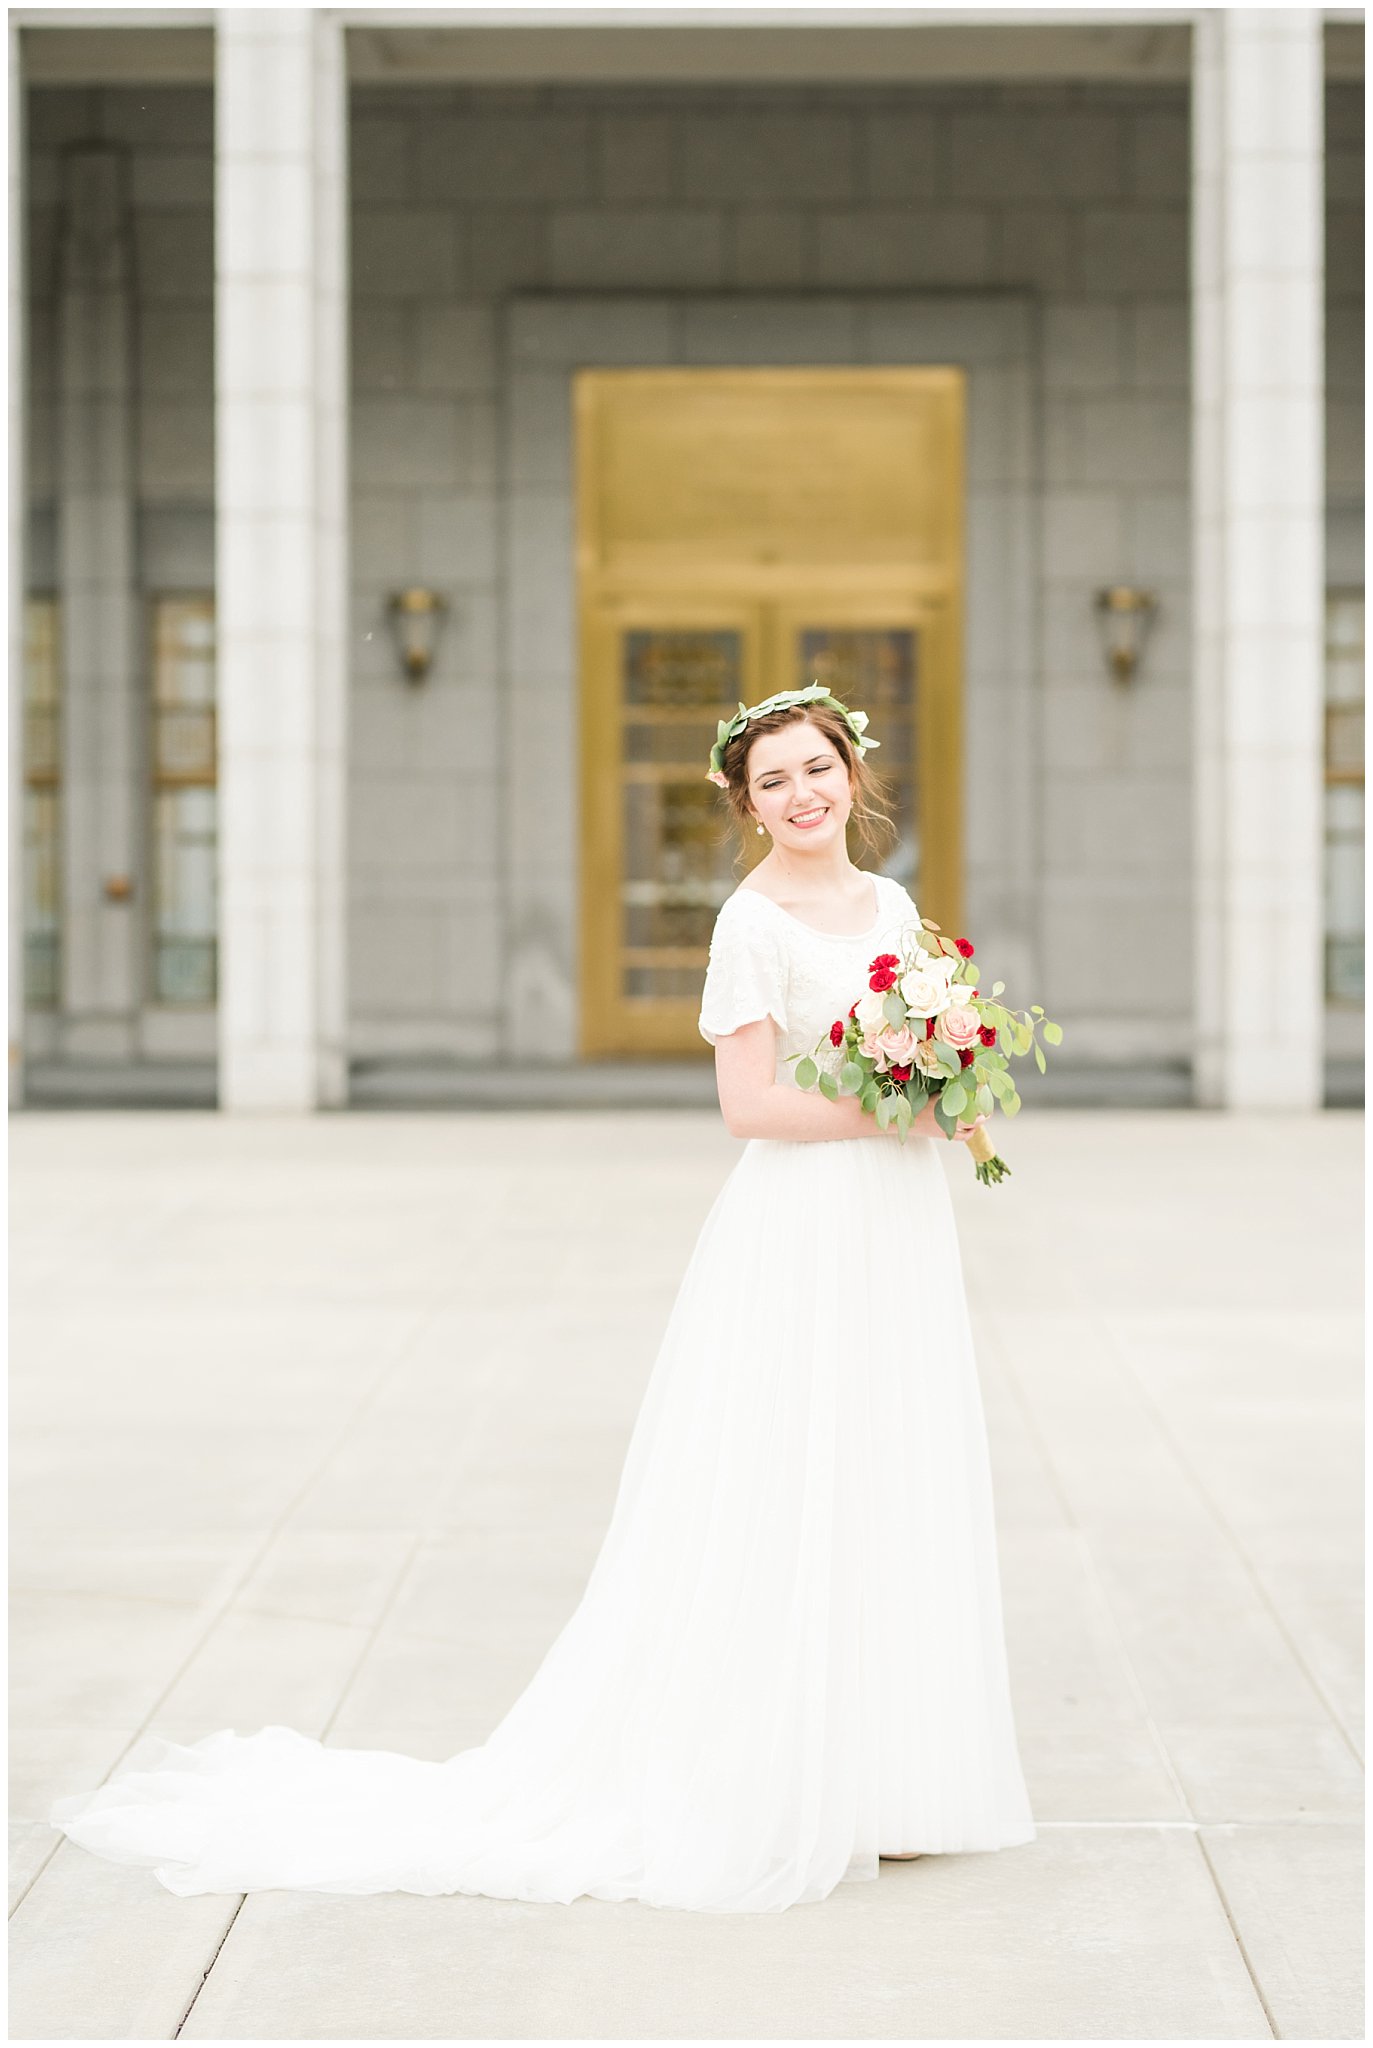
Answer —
739 533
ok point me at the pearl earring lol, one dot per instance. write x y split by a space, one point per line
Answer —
760 830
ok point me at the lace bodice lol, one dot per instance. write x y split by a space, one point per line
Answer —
765 962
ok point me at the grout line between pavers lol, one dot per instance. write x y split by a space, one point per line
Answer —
422 1322
1190 1824
1239 1940
485 1383
1092 1577
1218 1516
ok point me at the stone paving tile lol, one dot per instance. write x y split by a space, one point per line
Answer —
100 1952
1296 1896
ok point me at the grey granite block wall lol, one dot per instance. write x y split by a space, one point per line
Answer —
464 198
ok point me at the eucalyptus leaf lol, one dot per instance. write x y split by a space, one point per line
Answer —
1012 1105
829 1087
893 1009
955 1099
1039 1057
984 1101
807 1074
1053 1034
997 987
851 1077
884 1111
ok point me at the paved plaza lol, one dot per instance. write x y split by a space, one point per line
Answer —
319 1421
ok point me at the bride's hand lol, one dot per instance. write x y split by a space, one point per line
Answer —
928 1127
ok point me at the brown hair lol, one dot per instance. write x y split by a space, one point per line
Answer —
871 825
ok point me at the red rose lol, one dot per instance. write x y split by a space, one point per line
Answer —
929 1027
885 960
837 1031
901 1073
883 978
966 1056
965 947
987 1033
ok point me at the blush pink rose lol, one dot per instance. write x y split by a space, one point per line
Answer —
958 1026
894 1046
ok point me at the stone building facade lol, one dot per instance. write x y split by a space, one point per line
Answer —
1153 283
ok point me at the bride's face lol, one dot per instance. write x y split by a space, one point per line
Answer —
798 786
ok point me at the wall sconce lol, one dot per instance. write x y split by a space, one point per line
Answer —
1125 615
416 618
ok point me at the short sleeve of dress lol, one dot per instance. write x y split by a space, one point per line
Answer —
907 902
746 976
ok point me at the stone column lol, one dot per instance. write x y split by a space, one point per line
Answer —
104 873
18 524
1257 559
281 554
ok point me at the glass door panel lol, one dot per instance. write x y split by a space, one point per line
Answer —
876 669
659 677
893 658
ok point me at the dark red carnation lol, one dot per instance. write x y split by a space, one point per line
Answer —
966 1056
929 1027
965 947
987 1033
901 1073
854 1011
882 979
885 960
837 1031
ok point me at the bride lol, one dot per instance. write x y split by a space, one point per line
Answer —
788 1660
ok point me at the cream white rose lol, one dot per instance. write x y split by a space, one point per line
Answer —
868 1012
924 990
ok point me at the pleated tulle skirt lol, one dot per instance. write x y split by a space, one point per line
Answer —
789 1655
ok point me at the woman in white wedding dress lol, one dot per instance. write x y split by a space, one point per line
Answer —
788 1659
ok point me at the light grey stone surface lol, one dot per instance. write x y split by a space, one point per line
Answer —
319 1420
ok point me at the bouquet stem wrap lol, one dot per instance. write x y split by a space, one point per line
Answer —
980 1145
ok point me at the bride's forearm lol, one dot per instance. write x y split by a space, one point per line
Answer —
795 1113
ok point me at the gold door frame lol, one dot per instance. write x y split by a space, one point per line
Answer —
636 578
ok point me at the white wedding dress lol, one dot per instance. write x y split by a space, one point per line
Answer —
789 1654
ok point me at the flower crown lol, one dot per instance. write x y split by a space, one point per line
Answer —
855 720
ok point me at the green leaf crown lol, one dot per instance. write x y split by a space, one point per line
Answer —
855 720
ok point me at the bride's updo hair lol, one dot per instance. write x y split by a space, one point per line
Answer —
873 827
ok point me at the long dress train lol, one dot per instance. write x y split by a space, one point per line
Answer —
789 1653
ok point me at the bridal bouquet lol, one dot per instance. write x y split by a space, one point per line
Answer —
922 1030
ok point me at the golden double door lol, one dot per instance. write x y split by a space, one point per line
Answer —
740 533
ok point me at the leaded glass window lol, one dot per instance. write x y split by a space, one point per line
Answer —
184 801
1344 795
42 803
